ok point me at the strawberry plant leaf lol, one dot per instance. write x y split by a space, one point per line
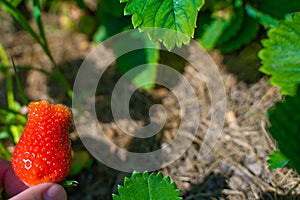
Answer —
15 3
213 33
147 55
80 160
280 56
4 133
236 22
224 27
147 186
285 128
277 160
177 15
247 32
278 8
266 20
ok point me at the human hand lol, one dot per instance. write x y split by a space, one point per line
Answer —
16 189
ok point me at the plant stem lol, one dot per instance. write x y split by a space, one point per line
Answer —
9 83
41 40
44 44
19 86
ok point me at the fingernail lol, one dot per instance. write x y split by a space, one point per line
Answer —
55 192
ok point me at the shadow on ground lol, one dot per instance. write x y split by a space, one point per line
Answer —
211 188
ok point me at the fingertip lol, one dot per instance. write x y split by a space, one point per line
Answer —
43 191
54 192
11 183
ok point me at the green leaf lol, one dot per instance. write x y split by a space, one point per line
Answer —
4 133
15 3
177 15
213 33
225 25
81 4
80 160
266 20
277 8
247 32
280 56
87 25
236 22
285 128
110 25
16 131
277 160
41 39
147 55
113 7
21 19
145 186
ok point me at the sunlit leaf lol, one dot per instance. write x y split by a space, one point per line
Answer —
277 160
177 15
280 56
145 186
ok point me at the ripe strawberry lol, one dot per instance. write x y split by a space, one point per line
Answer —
43 153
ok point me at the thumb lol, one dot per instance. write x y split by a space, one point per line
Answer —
44 191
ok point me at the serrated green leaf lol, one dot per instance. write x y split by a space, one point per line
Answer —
285 128
247 32
177 15
145 186
277 160
280 56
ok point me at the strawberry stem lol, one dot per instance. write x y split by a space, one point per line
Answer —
69 183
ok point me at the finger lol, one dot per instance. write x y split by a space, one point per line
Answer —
44 191
8 179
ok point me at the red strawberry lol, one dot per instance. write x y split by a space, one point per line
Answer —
43 153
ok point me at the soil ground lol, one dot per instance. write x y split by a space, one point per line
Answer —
236 169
